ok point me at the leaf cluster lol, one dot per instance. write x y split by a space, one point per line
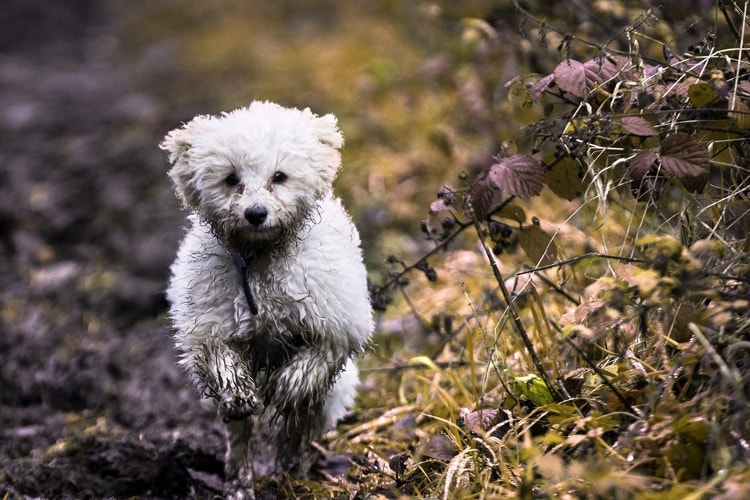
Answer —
631 375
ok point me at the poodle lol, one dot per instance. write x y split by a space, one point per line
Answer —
268 293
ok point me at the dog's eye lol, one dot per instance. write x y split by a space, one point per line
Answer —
278 177
232 180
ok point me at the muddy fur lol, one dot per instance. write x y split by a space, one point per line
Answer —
268 294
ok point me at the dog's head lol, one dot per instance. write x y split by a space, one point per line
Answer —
255 173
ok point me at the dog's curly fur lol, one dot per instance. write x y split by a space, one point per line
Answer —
278 337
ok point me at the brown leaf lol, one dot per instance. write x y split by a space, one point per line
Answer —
603 70
645 185
521 175
483 193
481 421
741 114
570 76
438 447
580 78
640 165
536 90
397 463
638 126
683 157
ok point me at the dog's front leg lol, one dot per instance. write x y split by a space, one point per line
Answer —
224 375
238 468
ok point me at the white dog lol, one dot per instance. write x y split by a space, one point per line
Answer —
268 292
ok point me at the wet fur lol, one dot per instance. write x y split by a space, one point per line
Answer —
293 361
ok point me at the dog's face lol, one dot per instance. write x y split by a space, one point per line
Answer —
256 173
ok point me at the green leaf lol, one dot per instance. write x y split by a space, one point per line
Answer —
565 179
518 93
538 245
702 94
513 212
693 429
533 388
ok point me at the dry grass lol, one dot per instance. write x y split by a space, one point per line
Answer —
619 371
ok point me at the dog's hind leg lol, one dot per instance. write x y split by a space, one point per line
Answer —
309 423
294 456
238 467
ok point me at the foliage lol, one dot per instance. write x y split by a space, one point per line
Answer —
614 364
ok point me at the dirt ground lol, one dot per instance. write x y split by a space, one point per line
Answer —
92 404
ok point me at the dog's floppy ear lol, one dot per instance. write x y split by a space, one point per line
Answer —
177 144
327 158
328 132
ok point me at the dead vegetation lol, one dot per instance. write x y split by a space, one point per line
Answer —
571 319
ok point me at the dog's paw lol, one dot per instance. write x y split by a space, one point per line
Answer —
238 491
236 407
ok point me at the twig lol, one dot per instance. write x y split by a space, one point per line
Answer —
568 36
559 289
397 368
511 308
723 9
578 258
440 246
731 374
422 323
732 105
602 375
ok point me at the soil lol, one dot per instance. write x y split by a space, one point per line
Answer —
92 404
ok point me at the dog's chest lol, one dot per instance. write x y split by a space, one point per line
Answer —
287 314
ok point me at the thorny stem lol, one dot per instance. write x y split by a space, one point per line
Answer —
723 8
732 105
397 368
440 246
603 376
584 257
511 307
558 289
527 15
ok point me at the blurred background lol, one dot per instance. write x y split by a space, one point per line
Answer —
89 223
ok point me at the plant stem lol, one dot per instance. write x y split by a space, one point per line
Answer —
511 307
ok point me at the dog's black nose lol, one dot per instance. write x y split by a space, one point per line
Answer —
256 215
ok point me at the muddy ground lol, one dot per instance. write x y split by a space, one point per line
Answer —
91 402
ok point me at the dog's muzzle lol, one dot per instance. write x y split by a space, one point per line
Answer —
256 215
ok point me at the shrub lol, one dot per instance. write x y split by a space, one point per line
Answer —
618 361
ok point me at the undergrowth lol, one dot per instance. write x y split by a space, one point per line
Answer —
604 349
